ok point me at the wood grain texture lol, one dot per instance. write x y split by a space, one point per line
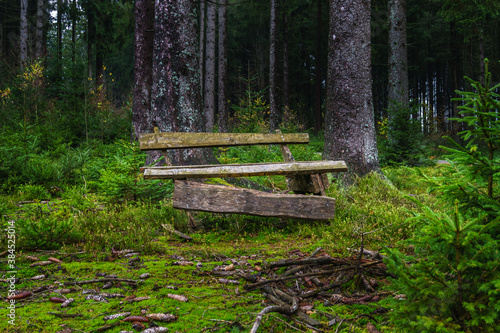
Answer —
233 200
244 170
174 140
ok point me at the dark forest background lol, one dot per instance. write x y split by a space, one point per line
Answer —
89 45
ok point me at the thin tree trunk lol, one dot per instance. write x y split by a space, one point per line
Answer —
74 17
210 68
349 122
482 69
176 105
286 75
398 59
90 36
455 64
59 32
430 97
318 76
39 40
201 61
274 117
223 118
23 35
143 66
99 63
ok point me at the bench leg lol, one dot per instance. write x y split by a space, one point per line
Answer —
192 221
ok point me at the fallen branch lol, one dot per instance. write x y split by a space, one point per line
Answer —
273 308
171 229
309 262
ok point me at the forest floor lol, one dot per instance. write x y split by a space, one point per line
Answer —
313 273
204 283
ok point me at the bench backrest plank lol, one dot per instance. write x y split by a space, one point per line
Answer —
244 170
176 140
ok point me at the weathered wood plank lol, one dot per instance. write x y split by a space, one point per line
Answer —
165 140
243 170
233 200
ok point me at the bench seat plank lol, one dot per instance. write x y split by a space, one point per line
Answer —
234 200
169 140
244 170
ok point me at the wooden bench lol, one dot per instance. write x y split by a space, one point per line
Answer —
302 177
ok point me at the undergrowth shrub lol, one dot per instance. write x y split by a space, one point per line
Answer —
120 178
41 230
33 192
452 284
400 138
128 225
251 115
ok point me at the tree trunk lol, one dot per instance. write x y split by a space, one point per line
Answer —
39 40
286 80
318 76
99 63
74 16
273 105
23 34
143 66
482 69
201 59
210 68
398 60
455 68
176 95
90 36
349 123
223 118
2 19
59 33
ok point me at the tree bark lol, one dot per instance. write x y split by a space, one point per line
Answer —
286 75
59 31
143 66
23 34
90 36
349 123
398 58
318 77
74 16
223 114
273 104
201 59
455 64
210 68
39 40
176 96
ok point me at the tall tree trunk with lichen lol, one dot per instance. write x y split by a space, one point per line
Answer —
273 104
398 58
209 104
143 66
318 79
39 40
23 34
223 114
349 122
286 75
201 59
176 105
